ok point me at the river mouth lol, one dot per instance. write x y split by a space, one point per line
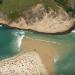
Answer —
52 48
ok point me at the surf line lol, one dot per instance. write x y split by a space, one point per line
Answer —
53 42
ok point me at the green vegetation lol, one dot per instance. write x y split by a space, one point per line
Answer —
1 1
62 2
68 5
14 8
50 4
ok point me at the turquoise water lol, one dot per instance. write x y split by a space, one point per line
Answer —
10 41
64 65
70 37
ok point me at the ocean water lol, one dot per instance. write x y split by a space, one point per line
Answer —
10 41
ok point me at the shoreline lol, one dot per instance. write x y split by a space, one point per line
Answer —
49 23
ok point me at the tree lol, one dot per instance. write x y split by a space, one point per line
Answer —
1 1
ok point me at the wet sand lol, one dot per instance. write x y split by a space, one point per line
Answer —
49 51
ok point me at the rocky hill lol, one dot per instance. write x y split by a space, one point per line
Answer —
41 17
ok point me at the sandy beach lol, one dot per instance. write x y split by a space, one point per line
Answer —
23 64
48 51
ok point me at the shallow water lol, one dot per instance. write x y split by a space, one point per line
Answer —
57 51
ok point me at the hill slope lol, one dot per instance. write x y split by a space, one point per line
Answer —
45 16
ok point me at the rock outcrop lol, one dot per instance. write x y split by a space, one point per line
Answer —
37 19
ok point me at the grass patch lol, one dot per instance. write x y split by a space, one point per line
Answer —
14 8
68 5
50 4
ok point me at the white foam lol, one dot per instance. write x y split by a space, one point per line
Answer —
73 31
1 25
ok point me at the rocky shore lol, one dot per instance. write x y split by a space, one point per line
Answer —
37 19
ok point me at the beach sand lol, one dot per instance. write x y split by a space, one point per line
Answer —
23 64
47 51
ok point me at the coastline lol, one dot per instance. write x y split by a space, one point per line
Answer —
26 63
41 21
